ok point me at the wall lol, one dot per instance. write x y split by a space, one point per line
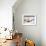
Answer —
6 13
43 22
29 32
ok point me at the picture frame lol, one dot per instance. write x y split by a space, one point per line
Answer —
28 20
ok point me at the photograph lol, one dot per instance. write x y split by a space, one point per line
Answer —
29 20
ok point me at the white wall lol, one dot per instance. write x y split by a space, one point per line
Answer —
38 32
29 7
43 22
6 13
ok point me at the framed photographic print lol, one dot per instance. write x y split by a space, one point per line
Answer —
29 20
